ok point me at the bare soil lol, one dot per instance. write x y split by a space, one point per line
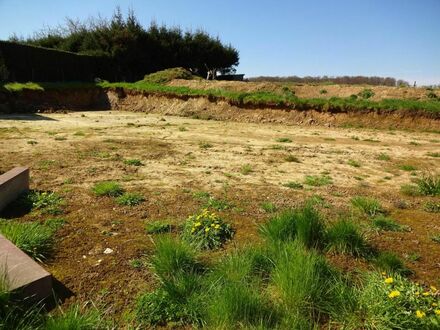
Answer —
180 156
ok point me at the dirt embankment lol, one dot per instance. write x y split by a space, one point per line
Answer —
205 108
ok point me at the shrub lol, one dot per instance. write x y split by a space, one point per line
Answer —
382 222
133 162
206 230
391 263
369 206
165 76
344 237
108 188
157 227
31 237
130 199
429 184
366 93
396 303
317 181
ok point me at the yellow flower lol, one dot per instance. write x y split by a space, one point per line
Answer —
437 312
207 229
434 304
197 224
417 293
193 230
420 314
383 273
389 280
217 226
433 288
426 293
394 294
212 224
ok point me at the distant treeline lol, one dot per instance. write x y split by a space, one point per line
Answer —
349 80
134 50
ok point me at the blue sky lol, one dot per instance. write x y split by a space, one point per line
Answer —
399 38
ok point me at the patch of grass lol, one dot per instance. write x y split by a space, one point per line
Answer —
268 207
206 230
318 180
345 237
293 185
322 91
108 188
246 169
32 142
276 147
433 207
369 206
429 184
366 93
47 202
76 318
433 154
436 238
283 140
133 162
410 190
384 157
217 204
130 199
382 222
205 145
33 238
157 227
353 163
292 159
201 195
391 263
406 167
79 133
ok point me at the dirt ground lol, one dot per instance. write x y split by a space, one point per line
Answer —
244 164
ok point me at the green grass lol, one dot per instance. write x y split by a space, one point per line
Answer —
391 263
33 238
133 162
130 199
369 206
157 227
384 157
345 237
268 207
293 185
284 140
382 222
246 169
429 184
353 163
410 190
432 207
205 145
318 180
258 98
292 159
406 167
433 154
108 188
75 318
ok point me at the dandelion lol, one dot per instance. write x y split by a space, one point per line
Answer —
433 288
193 230
217 226
437 312
420 314
394 294
434 304
389 280
207 229
197 224
426 294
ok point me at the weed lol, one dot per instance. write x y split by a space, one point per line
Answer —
133 162
205 145
79 133
391 263
217 204
246 169
108 188
60 138
353 163
384 157
32 142
407 167
201 195
429 184
206 230
436 238
293 185
268 207
369 206
277 147
130 199
317 181
292 159
345 237
157 227
137 263
283 140
45 201
382 222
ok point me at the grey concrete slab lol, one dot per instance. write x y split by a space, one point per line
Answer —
12 184
24 275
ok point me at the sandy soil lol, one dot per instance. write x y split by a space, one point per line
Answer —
242 163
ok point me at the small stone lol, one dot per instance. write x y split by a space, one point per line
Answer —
108 251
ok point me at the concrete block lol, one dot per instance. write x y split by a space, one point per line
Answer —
12 184
25 277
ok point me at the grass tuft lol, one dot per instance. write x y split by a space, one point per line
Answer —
108 188
345 237
369 206
130 199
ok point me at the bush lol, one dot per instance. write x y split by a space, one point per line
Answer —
206 230
344 237
108 188
369 206
31 237
130 199
165 76
366 93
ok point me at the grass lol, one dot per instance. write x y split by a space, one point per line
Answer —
33 238
384 157
432 207
246 169
157 227
433 154
391 263
368 206
436 238
293 185
406 167
75 318
382 222
292 159
318 180
345 237
268 207
205 145
429 184
108 188
130 199
284 140
353 163
133 162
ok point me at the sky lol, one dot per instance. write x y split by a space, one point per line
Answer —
397 38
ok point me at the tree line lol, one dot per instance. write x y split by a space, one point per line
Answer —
135 50
348 80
